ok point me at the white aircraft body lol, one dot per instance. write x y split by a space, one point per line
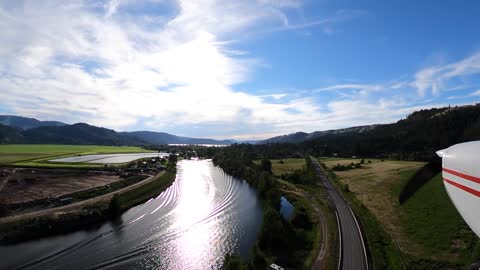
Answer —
461 177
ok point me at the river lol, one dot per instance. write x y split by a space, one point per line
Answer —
191 225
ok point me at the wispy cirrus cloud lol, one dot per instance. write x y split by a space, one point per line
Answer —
430 80
327 24
475 93
363 87
437 78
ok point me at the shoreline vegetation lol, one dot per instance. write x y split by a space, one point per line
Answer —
287 243
86 216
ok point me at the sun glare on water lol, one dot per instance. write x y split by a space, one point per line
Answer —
196 203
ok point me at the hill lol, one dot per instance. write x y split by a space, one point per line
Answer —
8 134
22 130
417 137
26 123
82 134
166 138
296 137
299 137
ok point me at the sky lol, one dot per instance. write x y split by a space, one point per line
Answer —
241 70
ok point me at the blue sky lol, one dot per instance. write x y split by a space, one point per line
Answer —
236 69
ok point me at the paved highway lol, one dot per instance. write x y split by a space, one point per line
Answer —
353 250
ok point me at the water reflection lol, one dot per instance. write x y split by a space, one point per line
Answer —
109 158
192 225
196 201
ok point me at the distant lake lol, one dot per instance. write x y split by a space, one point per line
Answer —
109 158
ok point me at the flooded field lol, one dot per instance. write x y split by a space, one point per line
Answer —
109 158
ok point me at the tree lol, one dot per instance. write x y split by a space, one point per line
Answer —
233 262
115 206
266 165
172 163
3 210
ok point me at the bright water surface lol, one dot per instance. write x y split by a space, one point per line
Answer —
109 158
192 225
286 208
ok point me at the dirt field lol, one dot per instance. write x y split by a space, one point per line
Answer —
28 185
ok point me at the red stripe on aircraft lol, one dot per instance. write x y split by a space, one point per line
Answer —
462 187
462 175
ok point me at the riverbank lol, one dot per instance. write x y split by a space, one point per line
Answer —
288 243
82 215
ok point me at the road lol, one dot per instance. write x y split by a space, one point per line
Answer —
352 247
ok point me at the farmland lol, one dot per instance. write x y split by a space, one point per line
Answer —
427 227
287 165
38 154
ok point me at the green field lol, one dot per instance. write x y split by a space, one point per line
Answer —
427 227
286 165
431 220
39 154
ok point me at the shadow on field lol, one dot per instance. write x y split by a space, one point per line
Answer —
420 178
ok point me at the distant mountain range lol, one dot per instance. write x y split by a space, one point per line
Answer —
165 138
17 129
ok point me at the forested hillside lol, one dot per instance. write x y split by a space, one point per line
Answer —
8 134
23 130
417 137
25 122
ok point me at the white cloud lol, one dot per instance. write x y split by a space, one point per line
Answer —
81 61
476 93
84 61
436 79
364 87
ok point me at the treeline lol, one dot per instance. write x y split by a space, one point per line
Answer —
186 151
304 176
235 161
284 242
417 137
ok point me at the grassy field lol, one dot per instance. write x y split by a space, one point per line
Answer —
430 219
427 228
38 155
288 165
